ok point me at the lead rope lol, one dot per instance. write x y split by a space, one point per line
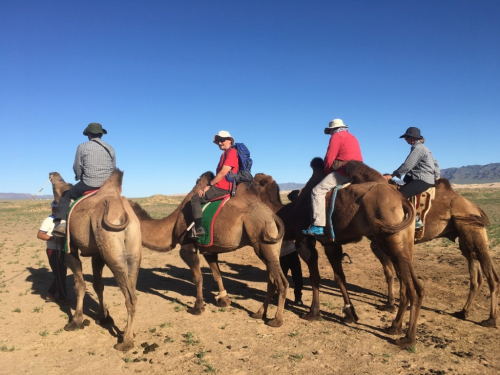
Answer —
33 197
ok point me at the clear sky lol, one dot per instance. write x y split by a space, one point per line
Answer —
164 76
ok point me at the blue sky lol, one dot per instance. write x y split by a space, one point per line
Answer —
164 76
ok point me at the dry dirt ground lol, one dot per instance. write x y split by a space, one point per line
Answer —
228 341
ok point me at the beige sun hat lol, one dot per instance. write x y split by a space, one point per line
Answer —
223 134
334 124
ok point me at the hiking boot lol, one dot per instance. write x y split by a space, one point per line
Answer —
314 231
60 229
418 223
197 232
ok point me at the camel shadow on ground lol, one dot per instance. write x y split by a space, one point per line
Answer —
41 279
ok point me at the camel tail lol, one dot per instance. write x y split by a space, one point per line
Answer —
473 220
281 231
409 219
114 211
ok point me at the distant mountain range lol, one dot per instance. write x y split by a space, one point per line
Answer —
471 174
15 196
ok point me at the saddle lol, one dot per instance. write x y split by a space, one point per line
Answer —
210 212
422 204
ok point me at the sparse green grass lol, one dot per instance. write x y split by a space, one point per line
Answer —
297 357
37 309
44 333
17 310
189 339
58 331
412 349
328 304
4 348
152 330
278 355
293 334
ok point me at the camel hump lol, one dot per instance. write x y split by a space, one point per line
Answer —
114 183
359 172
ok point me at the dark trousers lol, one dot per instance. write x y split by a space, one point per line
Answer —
291 262
414 187
59 269
210 195
75 192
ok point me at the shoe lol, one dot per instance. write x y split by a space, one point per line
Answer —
60 229
298 302
50 298
418 223
314 231
197 232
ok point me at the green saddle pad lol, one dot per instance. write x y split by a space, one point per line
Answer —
210 212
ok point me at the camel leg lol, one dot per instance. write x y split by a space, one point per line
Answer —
222 298
334 254
389 277
311 260
269 254
473 244
190 256
97 267
73 262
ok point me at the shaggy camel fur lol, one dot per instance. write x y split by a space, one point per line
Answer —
242 221
453 216
105 228
371 209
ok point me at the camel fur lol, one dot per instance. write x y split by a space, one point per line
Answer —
105 228
365 209
452 216
243 221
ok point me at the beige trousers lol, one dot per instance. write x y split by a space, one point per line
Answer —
318 196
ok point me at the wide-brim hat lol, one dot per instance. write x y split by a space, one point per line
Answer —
223 134
412 132
94 128
334 124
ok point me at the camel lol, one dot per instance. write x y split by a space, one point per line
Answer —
243 221
453 216
104 227
364 209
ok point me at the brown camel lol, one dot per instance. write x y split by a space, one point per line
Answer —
371 209
104 227
453 216
242 221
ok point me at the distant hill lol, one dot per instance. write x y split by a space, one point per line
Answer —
16 196
471 174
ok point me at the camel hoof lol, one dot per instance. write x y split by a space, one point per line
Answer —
490 323
223 302
388 308
393 330
123 347
348 319
257 315
404 342
274 323
462 314
73 326
310 316
104 321
196 310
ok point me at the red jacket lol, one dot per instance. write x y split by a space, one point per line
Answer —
343 146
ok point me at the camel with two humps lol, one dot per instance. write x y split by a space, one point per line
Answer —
243 221
370 208
105 228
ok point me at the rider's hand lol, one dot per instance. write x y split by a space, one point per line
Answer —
202 192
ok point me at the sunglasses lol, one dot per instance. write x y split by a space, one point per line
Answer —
222 140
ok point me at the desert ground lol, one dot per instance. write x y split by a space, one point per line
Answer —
227 340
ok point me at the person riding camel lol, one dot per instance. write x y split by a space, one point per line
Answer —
219 185
94 162
343 146
420 169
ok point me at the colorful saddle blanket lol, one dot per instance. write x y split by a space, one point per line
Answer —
210 212
85 195
422 203
330 205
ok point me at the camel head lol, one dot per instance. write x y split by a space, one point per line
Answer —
268 190
59 186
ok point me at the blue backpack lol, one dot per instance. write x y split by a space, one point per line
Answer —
245 165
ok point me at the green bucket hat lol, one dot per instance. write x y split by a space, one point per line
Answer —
94 128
